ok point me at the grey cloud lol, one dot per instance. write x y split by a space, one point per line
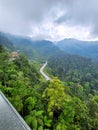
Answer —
18 16
83 13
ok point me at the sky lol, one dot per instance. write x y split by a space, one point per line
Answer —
50 19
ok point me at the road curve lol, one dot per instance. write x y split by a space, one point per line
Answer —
41 71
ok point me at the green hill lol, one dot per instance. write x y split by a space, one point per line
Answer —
83 48
6 42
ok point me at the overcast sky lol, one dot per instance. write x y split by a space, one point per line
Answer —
50 19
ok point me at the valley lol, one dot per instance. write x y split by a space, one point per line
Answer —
86 49
67 102
42 72
49 64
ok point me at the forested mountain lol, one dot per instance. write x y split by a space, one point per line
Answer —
67 102
52 105
82 48
44 49
33 49
6 42
71 68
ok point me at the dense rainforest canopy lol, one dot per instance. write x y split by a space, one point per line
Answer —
67 103
73 68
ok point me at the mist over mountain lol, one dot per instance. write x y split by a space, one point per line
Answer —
74 81
56 39
41 49
82 48
6 42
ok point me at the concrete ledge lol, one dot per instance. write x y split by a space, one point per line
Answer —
9 117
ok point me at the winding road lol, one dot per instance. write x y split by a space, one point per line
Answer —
41 71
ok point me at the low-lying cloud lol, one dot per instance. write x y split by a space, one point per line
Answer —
50 19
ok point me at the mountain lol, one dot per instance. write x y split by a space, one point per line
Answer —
52 105
69 104
82 48
77 69
6 42
33 49
43 49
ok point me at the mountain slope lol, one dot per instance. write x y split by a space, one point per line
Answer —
33 49
71 68
82 48
6 42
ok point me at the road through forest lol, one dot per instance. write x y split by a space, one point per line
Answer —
42 72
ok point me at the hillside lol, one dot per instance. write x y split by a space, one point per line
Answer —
41 50
71 68
34 50
6 42
82 48
50 104
66 104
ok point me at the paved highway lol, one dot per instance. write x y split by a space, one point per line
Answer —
42 72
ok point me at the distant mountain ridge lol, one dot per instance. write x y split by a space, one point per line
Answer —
6 42
82 48
43 49
33 49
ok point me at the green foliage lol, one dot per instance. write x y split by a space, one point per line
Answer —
1 48
35 119
4 41
93 106
55 96
29 103
71 104
74 116
47 122
17 102
75 69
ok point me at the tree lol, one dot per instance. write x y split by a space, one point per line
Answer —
75 116
35 119
93 106
55 97
1 49
29 104
4 59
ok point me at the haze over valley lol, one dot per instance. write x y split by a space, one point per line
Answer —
49 62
